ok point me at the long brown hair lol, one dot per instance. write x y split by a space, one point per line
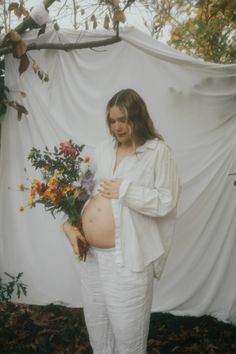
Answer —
133 105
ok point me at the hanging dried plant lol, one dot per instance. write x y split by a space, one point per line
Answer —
41 74
19 108
119 16
94 20
106 22
24 63
18 9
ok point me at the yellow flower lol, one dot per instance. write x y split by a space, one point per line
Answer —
52 181
53 197
30 202
67 189
49 195
35 182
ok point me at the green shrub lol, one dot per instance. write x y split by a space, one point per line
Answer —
15 284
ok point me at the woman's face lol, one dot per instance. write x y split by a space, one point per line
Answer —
119 127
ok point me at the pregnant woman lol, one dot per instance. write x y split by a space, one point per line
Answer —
128 223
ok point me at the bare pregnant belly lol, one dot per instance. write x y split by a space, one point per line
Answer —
98 222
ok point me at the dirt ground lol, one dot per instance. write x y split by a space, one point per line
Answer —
53 329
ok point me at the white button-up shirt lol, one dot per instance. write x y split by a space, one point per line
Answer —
145 212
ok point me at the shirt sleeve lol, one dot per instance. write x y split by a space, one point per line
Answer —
162 198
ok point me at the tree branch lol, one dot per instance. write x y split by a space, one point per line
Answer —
66 46
29 22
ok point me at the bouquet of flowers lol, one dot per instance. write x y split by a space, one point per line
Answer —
67 183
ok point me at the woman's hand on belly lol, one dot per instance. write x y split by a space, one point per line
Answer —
110 189
73 236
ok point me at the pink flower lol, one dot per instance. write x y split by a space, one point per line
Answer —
67 148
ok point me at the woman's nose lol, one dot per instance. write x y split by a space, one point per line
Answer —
117 125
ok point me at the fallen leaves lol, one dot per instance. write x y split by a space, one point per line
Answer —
61 330
190 335
42 329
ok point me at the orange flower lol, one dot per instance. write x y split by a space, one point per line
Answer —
22 187
41 188
22 209
87 159
33 192
47 193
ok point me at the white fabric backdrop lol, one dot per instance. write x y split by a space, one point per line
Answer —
194 107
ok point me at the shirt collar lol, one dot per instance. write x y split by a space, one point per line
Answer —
149 144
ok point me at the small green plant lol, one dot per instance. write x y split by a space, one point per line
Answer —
15 284
3 98
233 174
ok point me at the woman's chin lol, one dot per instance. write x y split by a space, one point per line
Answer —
124 139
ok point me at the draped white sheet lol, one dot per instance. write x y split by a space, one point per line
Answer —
194 107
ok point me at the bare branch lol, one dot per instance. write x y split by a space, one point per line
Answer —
29 22
66 46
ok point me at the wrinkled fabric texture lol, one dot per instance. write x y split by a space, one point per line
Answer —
145 212
117 304
193 106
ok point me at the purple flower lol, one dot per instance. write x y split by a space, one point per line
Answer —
87 184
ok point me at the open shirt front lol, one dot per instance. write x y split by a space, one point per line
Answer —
145 212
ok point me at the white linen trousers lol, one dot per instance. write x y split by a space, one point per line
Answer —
117 303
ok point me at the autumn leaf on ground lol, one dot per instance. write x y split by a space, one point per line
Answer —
64 332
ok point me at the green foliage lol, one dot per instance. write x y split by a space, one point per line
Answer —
15 284
201 28
3 89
